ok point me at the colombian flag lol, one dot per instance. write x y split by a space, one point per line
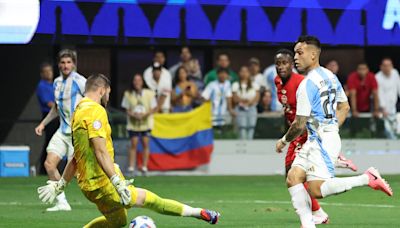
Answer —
181 140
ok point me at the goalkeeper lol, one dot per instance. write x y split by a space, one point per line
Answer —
100 180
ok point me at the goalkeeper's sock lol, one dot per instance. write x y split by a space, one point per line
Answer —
163 206
62 198
189 211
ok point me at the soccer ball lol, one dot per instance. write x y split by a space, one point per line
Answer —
142 222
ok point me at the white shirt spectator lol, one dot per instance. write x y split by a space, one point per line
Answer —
388 90
269 75
261 81
163 87
244 93
218 93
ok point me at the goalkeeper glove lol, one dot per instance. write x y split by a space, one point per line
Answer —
49 192
122 188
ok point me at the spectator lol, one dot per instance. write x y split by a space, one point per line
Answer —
362 85
159 57
333 66
256 76
270 74
245 96
185 56
184 92
45 95
161 85
264 106
222 62
140 103
220 94
388 91
195 76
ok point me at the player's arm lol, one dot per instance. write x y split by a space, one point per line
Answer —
49 117
106 163
342 110
296 129
102 155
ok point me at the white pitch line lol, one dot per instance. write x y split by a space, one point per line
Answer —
15 203
288 202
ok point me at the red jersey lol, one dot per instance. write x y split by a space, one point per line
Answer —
287 94
364 88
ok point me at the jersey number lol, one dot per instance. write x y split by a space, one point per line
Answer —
328 98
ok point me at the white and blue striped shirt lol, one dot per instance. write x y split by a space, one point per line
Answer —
68 92
317 98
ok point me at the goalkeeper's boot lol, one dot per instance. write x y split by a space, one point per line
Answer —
210 216
60 206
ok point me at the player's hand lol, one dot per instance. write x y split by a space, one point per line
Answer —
280 145
355 114
122 188
49 192
39 129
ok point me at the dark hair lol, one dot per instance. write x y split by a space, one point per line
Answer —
386 58
249 81
44 65
176 78
362 63
183 47
95 81
145 86
67 53
221 70
159 51
285 51
221 54
309 40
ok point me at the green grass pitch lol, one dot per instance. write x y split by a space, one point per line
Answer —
244 201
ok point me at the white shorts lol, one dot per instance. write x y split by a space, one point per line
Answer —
318 157
61 145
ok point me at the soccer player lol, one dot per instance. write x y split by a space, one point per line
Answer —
69 89
100 180
322 107
287 83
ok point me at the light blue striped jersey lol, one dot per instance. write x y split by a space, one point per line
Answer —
317 98
68 92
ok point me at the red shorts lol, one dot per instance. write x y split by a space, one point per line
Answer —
294 147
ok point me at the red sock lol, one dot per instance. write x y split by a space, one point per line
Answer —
314 202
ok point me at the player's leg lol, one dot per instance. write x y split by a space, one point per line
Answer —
319 215
323 184
152 201
114 214
58 148
146 152
117 218
51 163
300 198
132 152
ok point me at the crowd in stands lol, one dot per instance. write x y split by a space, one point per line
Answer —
240 97
237 98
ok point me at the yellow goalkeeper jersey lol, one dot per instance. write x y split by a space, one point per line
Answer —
90 121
